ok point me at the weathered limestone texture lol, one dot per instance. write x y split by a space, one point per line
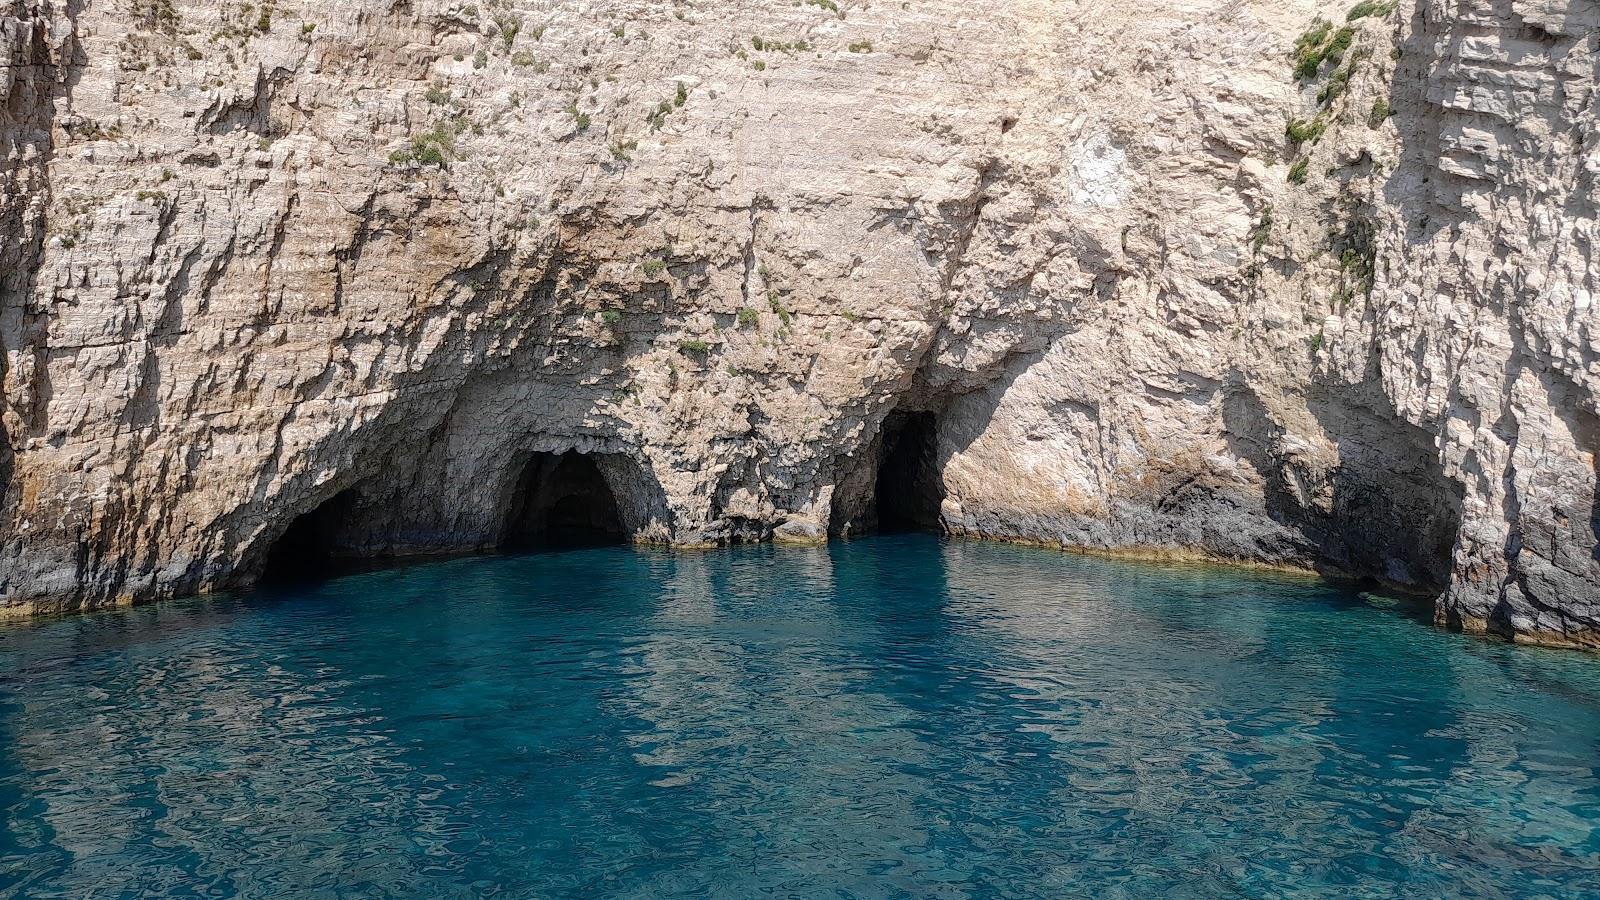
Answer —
1270 281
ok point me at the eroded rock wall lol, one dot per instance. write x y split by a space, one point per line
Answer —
270 254
1489 335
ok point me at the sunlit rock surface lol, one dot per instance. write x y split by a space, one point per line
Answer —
257 258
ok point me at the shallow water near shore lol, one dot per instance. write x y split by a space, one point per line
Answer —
892 717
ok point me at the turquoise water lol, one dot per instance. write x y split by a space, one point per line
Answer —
893 717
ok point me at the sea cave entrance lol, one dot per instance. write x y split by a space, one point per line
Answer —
308 548
562 500
909 490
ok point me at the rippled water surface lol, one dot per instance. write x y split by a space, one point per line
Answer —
895 717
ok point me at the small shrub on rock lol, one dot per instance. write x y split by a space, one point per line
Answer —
1380 112
1370 8
1301 130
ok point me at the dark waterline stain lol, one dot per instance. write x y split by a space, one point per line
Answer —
894 716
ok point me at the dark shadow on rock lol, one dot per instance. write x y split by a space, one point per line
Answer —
7 464
1386 511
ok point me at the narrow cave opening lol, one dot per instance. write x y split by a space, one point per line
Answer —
562 500
307 549
6 463
909 491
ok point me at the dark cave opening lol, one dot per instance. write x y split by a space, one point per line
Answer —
909 491
306 551
6 463
562 500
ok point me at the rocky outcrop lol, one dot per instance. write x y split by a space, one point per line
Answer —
1062 263
1489 229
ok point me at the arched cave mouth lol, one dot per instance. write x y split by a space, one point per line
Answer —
310 549
909 489
561 500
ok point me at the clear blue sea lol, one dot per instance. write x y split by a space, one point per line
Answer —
890 717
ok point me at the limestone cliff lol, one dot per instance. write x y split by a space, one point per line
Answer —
1290 282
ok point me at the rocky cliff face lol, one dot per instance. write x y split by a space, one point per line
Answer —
1058 269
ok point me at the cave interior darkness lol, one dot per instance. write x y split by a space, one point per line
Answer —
909 491
306 550
561 500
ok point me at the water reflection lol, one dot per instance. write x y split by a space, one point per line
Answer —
759 709
891 717
204 766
